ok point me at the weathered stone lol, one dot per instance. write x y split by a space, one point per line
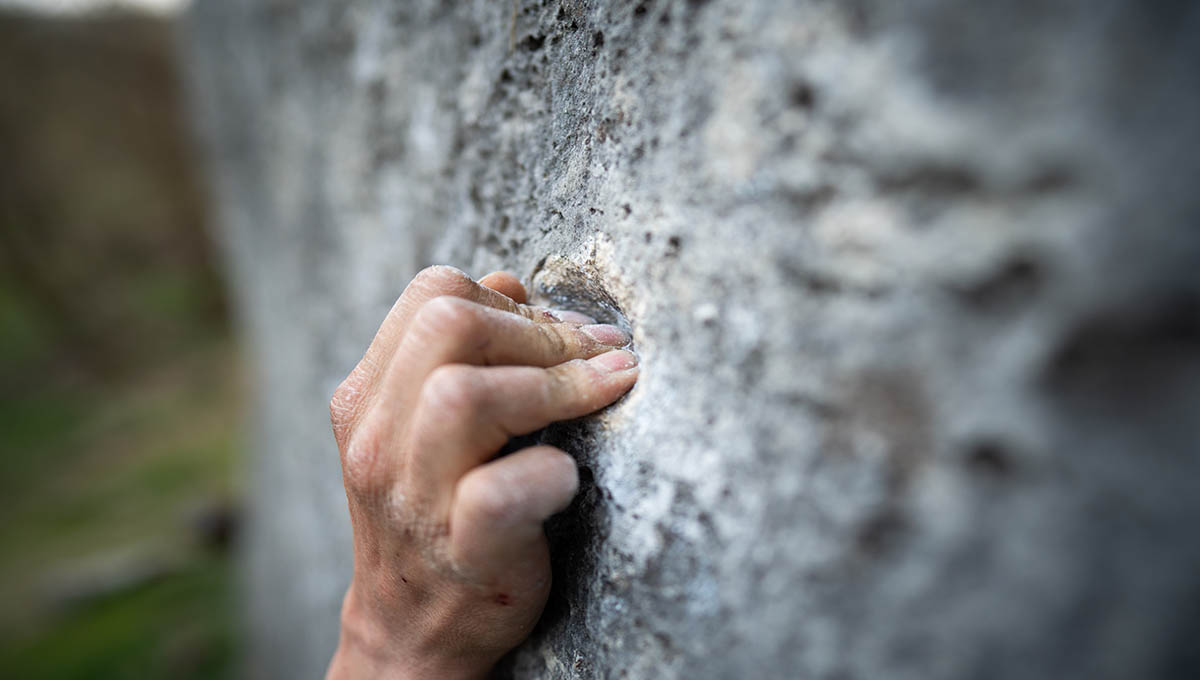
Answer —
915 287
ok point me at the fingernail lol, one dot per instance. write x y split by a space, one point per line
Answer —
606 334
616 360
567 316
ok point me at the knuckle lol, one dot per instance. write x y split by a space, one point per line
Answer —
556 338
442 279
453 388
563 381
345 404
363 463
447 316
534 313
583 371
486 501
575 386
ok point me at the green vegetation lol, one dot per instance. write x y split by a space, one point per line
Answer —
93 469
119 384
165 629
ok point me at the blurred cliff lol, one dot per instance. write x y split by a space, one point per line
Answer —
913 287
118 386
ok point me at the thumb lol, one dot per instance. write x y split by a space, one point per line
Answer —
496 519
505 284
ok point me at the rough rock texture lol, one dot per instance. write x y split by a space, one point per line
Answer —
916 288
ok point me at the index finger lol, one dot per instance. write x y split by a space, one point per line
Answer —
432 282
429 283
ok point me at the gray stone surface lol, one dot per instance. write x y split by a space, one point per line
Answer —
915 287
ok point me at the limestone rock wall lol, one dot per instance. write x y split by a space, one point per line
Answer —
916 288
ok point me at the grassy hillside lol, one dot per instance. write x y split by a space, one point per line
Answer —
119 393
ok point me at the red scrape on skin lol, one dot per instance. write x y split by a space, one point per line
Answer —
502 599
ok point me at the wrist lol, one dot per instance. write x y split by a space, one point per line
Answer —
368 648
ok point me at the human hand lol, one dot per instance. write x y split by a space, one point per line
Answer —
451 565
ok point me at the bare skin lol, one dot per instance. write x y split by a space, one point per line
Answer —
451 566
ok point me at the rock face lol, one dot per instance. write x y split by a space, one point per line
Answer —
916 288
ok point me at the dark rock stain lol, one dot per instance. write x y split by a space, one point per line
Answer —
881 533
1016 280
813 282
803 96
533 43
932 179
1130 358
674 245
892 406
1050 180
990 458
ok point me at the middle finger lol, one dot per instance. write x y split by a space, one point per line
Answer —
450 330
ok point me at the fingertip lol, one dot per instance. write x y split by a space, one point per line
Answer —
615 360
499 507
569 477
505 284
553 475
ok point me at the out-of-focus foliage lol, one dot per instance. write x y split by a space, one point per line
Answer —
118 381
101 220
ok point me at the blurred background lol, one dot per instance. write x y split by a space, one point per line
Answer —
119 378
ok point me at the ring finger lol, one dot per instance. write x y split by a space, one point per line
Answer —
467 413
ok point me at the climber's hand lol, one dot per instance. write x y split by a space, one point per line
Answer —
451 568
